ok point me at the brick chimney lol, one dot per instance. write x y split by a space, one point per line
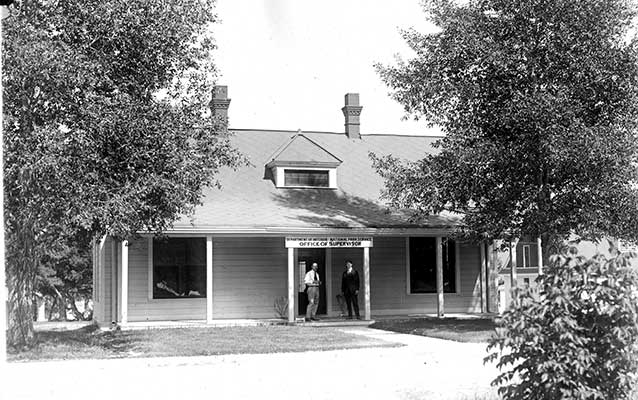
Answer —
219 104
352 111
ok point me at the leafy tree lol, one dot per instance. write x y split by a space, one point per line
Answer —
538 100
65 274
574 335
105 126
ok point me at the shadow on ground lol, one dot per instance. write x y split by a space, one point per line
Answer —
476 330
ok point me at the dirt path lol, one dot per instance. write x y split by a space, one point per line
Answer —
425 368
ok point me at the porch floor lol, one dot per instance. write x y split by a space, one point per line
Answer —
325 321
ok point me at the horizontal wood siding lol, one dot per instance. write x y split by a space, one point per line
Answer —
140 307
388 281
248 274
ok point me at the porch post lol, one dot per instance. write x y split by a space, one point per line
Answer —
366 283
513 277
114 268
328 278
209 279
101 295
124 316
439 278
291 285
483 278
492 277
539 249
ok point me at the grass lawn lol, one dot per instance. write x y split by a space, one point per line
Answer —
475 330
90 342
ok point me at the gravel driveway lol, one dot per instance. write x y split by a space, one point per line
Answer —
425 368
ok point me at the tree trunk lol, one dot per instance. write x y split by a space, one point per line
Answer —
22 265
52 306
88 312
61 305
76 313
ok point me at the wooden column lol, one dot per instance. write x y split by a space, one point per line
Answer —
513 276
124 282
483 278
114 283
291 285
149 266
101 293
209 279
328 278
440 306
366 283
539 250
492 278
94 269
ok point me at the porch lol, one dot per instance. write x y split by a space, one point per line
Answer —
256 279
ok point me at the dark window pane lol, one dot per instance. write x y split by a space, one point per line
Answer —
423 265
294 177
179 268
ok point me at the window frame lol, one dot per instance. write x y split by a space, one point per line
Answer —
324 173
280 177
457 268
151 277
527 263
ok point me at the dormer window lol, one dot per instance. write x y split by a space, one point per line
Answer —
306 178
302 163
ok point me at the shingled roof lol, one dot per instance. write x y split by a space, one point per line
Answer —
248 199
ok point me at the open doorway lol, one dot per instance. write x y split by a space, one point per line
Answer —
305 258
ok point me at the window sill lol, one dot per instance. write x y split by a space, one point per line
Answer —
435 294
307 187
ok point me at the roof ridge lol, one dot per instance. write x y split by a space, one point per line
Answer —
299 133
335 133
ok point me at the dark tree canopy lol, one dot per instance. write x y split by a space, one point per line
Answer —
538 100
106 125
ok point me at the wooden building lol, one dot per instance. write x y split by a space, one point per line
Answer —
305 197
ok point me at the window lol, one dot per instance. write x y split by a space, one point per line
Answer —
179 268
301 177
423 265
527 257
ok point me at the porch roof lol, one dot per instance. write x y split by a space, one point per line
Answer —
249 199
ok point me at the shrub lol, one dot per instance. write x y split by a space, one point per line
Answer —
573 335
281 307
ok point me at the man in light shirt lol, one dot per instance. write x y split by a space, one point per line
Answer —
312 282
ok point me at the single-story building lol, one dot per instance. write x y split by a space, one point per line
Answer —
305 197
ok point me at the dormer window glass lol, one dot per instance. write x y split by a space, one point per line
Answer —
306 178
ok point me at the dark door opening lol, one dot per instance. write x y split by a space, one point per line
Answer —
307 257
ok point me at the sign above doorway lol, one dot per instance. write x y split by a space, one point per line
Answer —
327 242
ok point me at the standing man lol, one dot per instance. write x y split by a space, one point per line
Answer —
350 289
312 282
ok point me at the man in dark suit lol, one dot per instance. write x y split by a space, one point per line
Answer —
350 289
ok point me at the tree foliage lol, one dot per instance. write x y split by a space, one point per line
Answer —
574 335
65 275
538 101
106 127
